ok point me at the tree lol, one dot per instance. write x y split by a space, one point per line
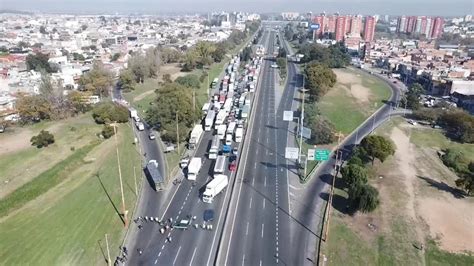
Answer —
172 100
98 80
169 55
281 62
319 79
466 180
77 101
204 51
108 112
413 96
115 57
108 131
42 30
189 61
246 54
365 197
43 139
334 56
354 175
32 108
219 53
459 124
189 81
377 147
322 131
38 62
456 160
126 80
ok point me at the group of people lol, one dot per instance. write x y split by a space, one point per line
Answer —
123 257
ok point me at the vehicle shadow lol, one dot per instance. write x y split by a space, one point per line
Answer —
457 193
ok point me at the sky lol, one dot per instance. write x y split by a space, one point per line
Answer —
390 7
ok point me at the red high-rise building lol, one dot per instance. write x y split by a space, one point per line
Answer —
369 28
438 23
411 23
322 25
356 25
331 23
340 28
348 24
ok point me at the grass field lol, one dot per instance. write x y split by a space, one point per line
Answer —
346 109
70 133
67 224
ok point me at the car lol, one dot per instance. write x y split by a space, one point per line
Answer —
152 136
235 151
232 158
395 81
232 166
208 215
184 162
274 66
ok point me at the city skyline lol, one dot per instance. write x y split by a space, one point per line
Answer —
365 7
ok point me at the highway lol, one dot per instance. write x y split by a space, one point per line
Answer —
194 246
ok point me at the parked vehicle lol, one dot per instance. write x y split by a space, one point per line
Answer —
169 147
226 149
221 131
214 187
221 116
184 162
228 139
140 126
133 113
206 107
193 168
152 136
238 134
232 166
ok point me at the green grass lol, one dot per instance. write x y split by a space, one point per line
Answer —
43 182
147 85
433 138
311 164
434 256
344 110
73 132
67 224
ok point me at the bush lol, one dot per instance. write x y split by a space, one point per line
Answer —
365 197
322 131
43 139
108 131
109 112
455 160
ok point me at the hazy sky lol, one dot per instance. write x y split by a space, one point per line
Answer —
392 7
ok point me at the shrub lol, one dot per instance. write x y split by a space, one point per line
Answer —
108 131
109 112
43 139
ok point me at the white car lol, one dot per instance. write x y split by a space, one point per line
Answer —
152 136
274 66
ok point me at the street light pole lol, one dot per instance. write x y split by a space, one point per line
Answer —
124 211
177 131
301 121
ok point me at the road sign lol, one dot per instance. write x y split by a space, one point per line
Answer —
311 153
314 26
291 153
322 155
306 133
287 115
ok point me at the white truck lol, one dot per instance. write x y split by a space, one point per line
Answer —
221 129
154 173
140 126
231 128
242 99
194 167
134 114
219 167
214 150
209 120
205 108
221 116
227 105
195 136
238 134
214 187
228 140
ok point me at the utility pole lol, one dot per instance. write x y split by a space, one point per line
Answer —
194 99
108 251
177 131
301 121
331 193
124 211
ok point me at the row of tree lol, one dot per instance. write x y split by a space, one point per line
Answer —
333 56
140 67
464 169
362 195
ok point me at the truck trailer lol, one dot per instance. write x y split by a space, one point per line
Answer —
219 167
214 187
154 174
238 134
209 120
195 136
194 167
214 150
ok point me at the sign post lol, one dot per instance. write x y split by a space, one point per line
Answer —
322 155
291 153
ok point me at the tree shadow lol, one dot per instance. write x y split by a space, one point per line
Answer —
338 183
268 165
457 193
340 203
110 199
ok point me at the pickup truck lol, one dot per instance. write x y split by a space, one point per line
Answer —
183 224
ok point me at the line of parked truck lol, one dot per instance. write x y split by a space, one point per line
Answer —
225 116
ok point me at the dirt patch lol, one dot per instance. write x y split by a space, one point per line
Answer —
352 82
143 95
451 220
18 140
174 70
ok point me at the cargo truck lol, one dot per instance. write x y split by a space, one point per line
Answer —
153 173
219 168
195 136
214 187
214 149
238 134
209 120
221 129
231 128
134 114
206 107
228 140
244 112
194 167
221 117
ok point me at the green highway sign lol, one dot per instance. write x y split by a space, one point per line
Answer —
322 155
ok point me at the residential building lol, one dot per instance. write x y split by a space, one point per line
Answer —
369 29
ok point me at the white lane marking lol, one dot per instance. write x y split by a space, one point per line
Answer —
170 201
156 261
253 181
260 262
263 228
192 258
162 247
243 260
264 203
247 230
177 253
159 254
255 165
265 181
250 205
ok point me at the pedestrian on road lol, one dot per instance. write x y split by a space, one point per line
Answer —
140 226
